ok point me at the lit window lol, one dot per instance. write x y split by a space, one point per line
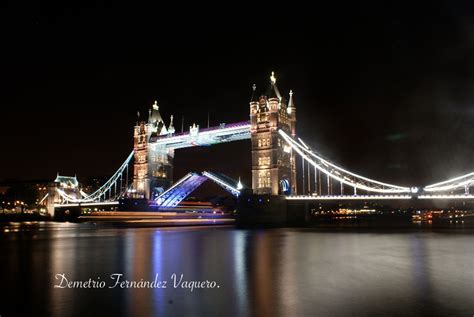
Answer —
264 160
264 179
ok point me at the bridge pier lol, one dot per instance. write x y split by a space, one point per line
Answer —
298 214
70 214
269 210
51 199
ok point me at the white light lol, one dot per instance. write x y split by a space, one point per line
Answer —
41 201
233 190
446 197
304 144
450 180
414 190
358 197
239 132
108 203
301 151
239 185
465 180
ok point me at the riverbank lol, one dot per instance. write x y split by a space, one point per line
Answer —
19 217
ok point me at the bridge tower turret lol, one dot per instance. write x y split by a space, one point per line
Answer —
273 161
153 167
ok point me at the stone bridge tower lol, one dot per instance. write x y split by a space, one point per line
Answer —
153 165
273 161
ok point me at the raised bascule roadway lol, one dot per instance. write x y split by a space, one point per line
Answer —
275 151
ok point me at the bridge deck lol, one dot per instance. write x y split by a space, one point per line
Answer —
380 197
349 197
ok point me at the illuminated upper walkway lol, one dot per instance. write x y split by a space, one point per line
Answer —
208 136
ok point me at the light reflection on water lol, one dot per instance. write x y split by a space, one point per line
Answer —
273 272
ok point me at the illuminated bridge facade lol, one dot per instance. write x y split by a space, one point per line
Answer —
147 173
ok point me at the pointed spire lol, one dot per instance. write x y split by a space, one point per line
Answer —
274 92
291 105
194 129
162 128
239 185
254 87
171 129
154 118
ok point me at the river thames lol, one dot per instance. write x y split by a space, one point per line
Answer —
259 272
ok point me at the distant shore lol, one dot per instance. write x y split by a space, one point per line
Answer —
18 217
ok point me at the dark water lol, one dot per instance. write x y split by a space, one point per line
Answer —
272 272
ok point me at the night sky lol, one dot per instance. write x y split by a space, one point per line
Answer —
386 91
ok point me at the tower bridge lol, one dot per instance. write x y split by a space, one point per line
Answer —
275 151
